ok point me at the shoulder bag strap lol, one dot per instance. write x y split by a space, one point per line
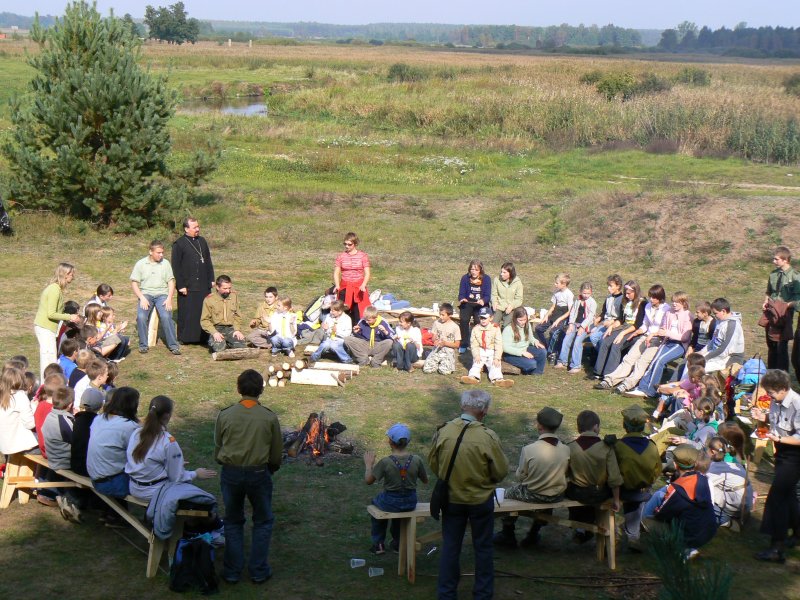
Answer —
455 451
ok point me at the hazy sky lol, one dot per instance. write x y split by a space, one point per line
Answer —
626 13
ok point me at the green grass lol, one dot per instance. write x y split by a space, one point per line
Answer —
288 188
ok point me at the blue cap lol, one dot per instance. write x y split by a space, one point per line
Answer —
399 431
485 312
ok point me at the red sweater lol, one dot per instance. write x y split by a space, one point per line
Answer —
42 410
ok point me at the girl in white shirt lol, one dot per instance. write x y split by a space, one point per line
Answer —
407 345
16 416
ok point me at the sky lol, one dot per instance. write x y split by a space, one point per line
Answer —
639 14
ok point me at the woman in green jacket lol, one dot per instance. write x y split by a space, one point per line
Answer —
506 294
50 312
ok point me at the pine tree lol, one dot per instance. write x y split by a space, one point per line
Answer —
90 137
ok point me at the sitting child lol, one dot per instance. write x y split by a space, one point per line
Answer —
581 318
261 324
284 324
681 394
371 339
90 404
407 345
79 372
542 475
611 313
486 345
703 327
57 433
446 340
593 475
727 345
111 334
68 356
399 472
731 493
336 326
96 375
555 318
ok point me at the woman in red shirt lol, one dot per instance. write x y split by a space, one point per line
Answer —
351 275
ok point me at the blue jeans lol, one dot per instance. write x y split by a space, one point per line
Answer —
454 524
165 321
282 343
336 346
404 358
529 366
655 501
596 336
116 487
391 502
574 340
652 378
255 484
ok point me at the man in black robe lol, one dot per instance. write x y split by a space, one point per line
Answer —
194 278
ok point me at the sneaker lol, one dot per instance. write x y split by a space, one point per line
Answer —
552 359
603 385
260 580
378 548
560 365
470 380
620 389
176 351
771 555
690 554
657 414
503 383
143 350
46 500
575 370
637 393
68 510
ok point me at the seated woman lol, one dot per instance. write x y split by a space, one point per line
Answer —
520 346
506 294
620 336
154 456
474 293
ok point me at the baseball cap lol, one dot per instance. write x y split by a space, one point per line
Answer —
92 399
399 431
485 312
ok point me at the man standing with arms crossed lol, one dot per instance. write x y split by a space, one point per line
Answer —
248 445
194 277
479 466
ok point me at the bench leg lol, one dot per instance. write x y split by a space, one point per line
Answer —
611 540
601 539
154 555
402 549
23 495
12 471
411 550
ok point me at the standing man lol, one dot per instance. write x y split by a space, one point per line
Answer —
479 466
248 445
221 318
194 276
783 285
154 285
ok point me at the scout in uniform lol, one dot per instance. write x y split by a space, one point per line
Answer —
221 318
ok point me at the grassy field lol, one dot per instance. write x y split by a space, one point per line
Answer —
430 174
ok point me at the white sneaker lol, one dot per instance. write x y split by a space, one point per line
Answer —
634 394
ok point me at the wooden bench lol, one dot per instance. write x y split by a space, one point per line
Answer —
19 477
410 544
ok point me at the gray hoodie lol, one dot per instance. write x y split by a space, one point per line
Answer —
728 340
57 433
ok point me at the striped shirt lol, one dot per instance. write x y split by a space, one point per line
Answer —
352 265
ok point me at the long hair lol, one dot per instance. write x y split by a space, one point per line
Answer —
734 436
60 274
153 426
512 271
124 402
515 329
12 380
637 293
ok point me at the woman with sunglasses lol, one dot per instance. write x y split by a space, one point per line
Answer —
351 275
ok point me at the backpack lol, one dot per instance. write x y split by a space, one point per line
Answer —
193 566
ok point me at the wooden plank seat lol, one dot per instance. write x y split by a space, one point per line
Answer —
410 544
20 467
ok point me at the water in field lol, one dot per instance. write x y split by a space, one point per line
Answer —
248 107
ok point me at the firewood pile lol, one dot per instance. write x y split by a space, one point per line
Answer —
302 372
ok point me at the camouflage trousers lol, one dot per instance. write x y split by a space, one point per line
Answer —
442 360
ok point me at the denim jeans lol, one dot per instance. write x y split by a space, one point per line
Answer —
655 501
454 524
122 348
255 484
116 487
596 336
332 345
529 366
282 343
652 378
573 340
404 358
391 502
165 321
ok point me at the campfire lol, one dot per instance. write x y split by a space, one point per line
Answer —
316 438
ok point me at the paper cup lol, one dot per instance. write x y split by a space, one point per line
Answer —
357 562
501 494
375 571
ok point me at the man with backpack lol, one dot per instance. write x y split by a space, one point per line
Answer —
248 445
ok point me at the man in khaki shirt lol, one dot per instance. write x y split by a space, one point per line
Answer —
478 467
221 318
542 475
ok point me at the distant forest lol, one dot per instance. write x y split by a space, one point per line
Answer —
761 42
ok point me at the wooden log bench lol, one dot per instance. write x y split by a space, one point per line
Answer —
410 544
21 468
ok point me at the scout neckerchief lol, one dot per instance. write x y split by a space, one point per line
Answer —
372 329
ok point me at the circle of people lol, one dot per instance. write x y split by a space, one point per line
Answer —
634 337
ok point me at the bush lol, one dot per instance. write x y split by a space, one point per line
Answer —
650 83
592 77
693 76
792 85
552 229
402 73
612 85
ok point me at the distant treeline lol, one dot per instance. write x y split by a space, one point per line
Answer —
8 19
761 42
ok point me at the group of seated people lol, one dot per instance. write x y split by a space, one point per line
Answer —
86 425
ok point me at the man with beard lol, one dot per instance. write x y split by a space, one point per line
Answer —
194 276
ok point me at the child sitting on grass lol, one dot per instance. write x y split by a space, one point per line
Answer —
261 324
446 340
399 472
486 346
680 394
555 319
336 327
284 324
407 345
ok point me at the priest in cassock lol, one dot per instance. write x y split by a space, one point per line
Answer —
194 278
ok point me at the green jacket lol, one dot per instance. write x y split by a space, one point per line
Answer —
220 311
51 308
505 294
480 463
517 348
790 285
638 460
248 434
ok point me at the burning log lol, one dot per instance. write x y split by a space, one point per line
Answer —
297 445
